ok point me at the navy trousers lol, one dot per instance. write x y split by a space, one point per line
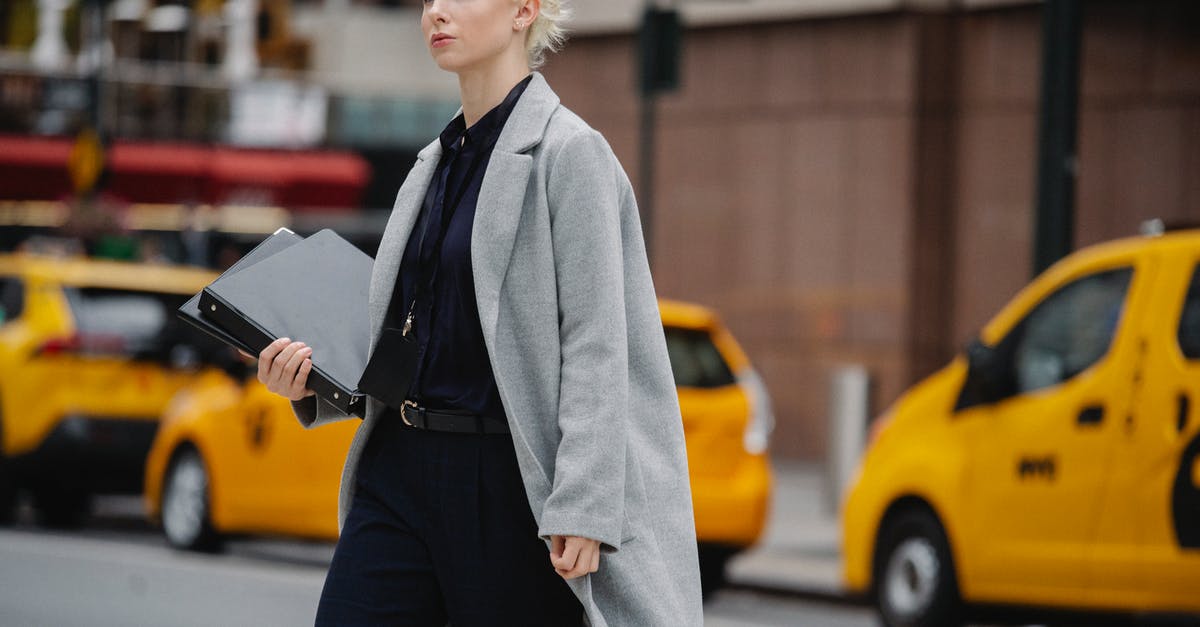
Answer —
440 531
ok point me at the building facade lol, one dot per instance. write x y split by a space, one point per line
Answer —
859 189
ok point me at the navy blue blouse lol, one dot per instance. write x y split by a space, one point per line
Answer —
453 370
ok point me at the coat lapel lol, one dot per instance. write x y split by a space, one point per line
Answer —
502 198
495 230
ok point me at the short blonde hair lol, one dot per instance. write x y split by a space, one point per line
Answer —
547 33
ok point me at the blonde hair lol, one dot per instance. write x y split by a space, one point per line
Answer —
547 33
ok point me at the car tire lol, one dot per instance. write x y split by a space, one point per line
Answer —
8 494
914 577
713 560
8 485
186 512
61 503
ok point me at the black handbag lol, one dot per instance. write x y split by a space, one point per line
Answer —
389 372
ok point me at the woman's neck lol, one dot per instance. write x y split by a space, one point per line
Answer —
483 88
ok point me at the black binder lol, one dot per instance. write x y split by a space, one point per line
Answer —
314 290
190 311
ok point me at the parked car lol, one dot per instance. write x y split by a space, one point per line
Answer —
1056 462
231 458
90 355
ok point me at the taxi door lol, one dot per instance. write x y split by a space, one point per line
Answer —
1041 444
1148 549
265 459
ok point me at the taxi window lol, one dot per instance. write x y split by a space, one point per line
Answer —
142 322
12 299
1189 321
695 360
1069 331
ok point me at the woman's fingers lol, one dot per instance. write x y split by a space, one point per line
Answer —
292 370
283 367
266 357
279 364
292 365
300 384
275 368
566 560
577 556
557 544
587 557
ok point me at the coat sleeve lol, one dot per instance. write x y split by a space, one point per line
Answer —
588 492
313 411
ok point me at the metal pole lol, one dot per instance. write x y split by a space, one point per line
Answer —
1054 223
658 52
649 121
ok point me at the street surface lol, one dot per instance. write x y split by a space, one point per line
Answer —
119 572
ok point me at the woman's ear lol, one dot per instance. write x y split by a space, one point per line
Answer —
527 12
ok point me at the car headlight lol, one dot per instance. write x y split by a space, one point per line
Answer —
762 418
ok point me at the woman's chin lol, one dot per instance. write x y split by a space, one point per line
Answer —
449 62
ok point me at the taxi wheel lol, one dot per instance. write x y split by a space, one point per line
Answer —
186 518
713 559
8 494
8 486
914 578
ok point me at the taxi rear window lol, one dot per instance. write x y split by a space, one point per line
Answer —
695 360
143 322
12 299
1189 321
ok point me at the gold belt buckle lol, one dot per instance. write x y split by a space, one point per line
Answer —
407 403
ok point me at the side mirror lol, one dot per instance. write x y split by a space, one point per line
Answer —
981 358
985 377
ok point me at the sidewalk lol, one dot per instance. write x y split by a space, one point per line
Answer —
799 551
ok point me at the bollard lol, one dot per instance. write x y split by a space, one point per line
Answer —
849 405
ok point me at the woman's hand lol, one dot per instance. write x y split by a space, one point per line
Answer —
283 367
573 556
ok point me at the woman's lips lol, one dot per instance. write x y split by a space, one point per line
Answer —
440 41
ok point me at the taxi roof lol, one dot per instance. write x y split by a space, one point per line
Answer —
688 315
1142 243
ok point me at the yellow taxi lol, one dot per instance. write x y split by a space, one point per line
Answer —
91 352
231 457
1057 462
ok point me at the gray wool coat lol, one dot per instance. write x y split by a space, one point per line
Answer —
572 328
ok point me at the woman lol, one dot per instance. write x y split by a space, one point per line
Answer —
537 473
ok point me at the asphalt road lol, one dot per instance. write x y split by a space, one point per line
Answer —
119 572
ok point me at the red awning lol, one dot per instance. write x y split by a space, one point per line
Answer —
35 168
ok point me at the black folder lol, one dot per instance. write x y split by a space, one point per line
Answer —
190 311
314 290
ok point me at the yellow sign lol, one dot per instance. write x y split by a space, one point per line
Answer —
86 160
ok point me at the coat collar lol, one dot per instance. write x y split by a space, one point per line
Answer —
494 229
526 124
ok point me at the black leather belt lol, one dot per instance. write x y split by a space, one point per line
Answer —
452 420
